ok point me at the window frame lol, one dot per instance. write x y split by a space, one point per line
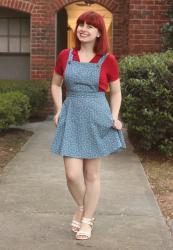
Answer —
20 36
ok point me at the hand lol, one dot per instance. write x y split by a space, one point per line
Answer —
117 124
56 117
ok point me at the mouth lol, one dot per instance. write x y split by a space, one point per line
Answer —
82 35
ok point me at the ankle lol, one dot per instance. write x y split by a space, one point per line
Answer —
79 213
81 208
87 223
87 216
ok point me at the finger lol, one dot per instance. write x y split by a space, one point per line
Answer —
55 121
118 126
115 127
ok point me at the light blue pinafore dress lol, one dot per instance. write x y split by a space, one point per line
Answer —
85 124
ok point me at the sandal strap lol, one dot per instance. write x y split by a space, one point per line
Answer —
89 221
75 223
83 233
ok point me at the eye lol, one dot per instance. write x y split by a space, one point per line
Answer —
90 26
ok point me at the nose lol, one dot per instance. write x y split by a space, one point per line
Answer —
84 27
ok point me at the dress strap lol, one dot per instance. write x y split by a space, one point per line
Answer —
101 60
70 57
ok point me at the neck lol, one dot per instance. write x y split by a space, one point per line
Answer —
87 48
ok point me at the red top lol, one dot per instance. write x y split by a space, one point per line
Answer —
109 69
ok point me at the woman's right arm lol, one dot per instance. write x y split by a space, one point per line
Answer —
56 91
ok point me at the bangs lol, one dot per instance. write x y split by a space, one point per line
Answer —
90 18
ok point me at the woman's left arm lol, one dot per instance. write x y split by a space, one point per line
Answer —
115 101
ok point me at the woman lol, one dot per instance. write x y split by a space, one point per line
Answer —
86 127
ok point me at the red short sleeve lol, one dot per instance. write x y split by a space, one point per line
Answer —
113 68
61 62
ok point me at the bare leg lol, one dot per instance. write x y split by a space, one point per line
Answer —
75 182
92 195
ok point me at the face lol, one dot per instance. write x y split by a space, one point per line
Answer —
87 32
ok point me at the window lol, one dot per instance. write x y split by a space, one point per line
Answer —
14 35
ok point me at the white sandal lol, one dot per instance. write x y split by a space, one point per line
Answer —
76 224
85 234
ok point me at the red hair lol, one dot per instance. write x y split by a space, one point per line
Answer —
92 18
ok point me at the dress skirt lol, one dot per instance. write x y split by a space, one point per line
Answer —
85 127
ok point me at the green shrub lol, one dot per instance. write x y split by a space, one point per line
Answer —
147 107
37 91
167 28
14 109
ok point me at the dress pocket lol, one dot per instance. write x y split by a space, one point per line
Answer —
61 118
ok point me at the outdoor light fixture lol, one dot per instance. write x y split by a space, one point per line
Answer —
88 2
85 3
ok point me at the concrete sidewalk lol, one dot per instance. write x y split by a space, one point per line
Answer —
36 208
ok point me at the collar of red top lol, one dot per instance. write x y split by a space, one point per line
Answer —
76 56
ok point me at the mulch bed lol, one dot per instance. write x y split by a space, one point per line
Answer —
11 142
159 172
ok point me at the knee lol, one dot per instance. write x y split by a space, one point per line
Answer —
92 177
72 177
